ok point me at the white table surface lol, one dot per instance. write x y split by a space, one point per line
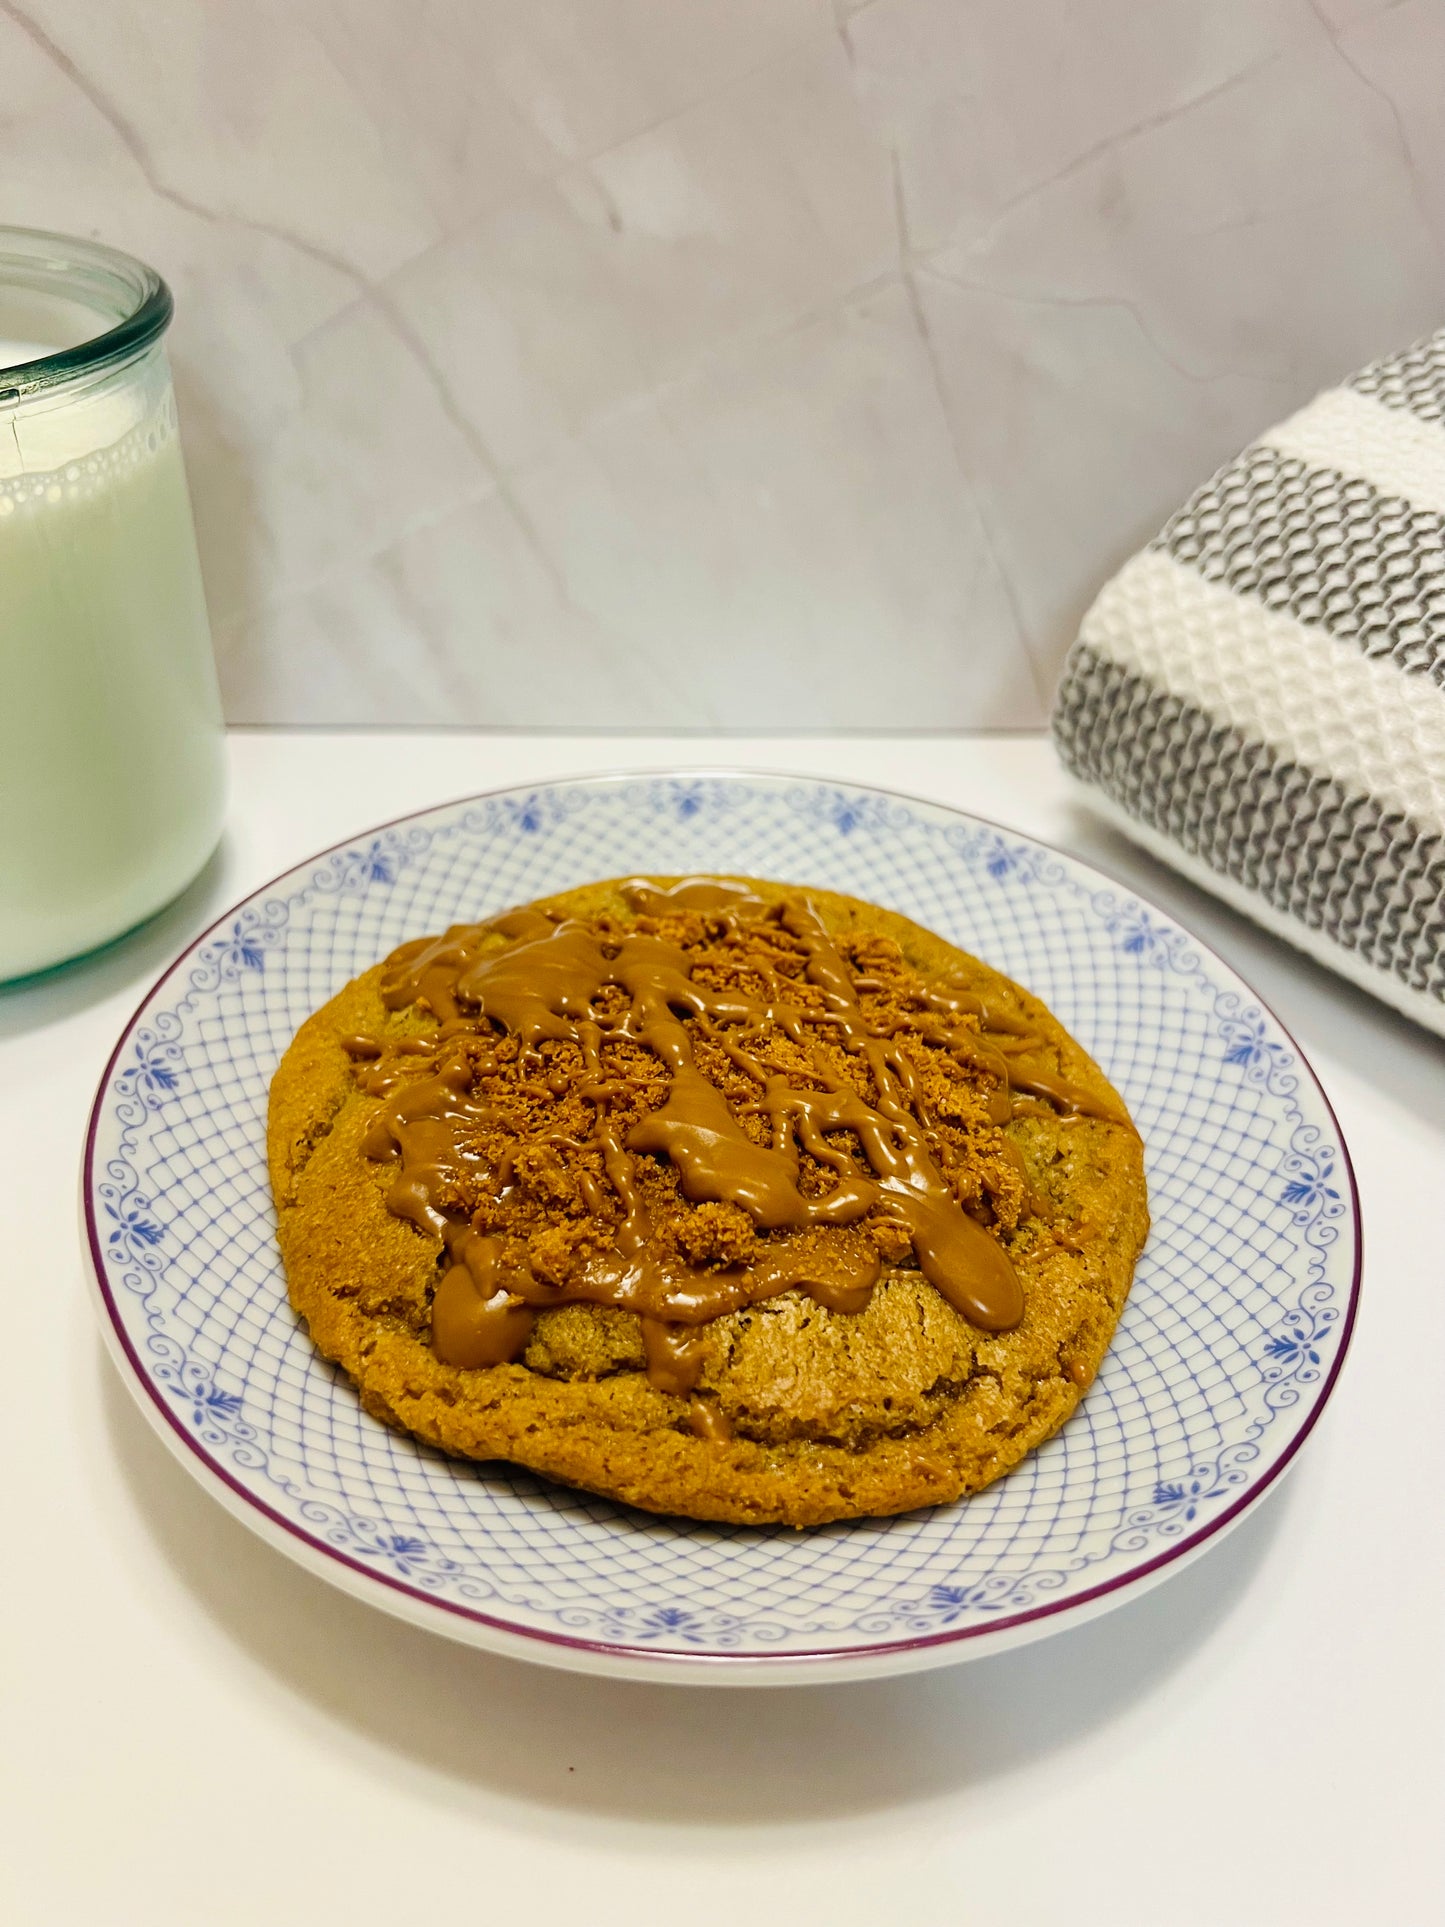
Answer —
197 1733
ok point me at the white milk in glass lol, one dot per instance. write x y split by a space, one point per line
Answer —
110 731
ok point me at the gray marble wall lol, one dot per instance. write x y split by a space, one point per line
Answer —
722 362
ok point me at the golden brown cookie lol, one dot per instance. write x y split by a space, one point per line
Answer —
728 1199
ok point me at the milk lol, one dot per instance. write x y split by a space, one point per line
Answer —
110 729
13 352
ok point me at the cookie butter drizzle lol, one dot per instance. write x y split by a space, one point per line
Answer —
543 987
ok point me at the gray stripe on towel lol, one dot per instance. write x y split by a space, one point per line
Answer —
1325 548
1412 382
1372 880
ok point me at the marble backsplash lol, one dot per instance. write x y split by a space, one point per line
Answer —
722 363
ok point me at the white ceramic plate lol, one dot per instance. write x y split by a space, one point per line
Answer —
1226 1353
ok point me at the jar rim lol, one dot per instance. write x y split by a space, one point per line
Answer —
77 270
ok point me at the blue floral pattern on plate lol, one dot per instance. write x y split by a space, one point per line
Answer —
1226 1352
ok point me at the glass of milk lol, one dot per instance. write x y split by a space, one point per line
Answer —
111 751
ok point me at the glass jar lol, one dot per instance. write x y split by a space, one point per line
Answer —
111 748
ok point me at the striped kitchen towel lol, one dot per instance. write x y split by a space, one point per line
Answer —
1259 696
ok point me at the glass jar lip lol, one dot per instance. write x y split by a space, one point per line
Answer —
134 331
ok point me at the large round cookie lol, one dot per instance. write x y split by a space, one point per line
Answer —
553 1139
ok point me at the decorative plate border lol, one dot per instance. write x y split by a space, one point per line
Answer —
206 1426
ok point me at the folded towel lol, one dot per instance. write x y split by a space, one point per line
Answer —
1258 697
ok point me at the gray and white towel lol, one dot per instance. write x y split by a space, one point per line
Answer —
1259 696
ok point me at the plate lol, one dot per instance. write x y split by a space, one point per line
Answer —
1227 1350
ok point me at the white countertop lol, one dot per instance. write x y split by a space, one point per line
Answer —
197 1733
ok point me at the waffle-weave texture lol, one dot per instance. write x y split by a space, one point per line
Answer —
1259 695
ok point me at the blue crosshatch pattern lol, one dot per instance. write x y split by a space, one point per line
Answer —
1223 1354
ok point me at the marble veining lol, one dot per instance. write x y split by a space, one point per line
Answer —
762 361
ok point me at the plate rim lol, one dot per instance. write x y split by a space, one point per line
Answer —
471 1625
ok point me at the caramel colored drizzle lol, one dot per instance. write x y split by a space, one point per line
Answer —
538 978
706 1421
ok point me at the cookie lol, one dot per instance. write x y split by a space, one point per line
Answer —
725 1198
